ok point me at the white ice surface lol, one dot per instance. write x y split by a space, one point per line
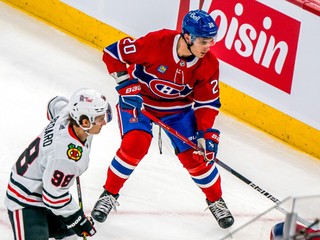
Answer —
159 201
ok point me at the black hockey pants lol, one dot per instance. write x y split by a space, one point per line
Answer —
37 224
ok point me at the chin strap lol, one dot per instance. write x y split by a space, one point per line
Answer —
86 129
188 44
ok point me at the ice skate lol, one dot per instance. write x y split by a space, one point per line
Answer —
103 206
221 213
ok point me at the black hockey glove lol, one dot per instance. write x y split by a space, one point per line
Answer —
80 224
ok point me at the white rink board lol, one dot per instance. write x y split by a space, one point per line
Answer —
302 103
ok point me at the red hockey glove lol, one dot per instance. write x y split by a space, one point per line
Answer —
130 97
80 224
207 145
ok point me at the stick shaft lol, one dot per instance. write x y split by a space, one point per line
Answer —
80 199
223 165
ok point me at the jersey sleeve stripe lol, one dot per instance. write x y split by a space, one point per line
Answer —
17 185
16 193
56 202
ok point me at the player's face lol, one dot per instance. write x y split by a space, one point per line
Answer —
99 122
201 46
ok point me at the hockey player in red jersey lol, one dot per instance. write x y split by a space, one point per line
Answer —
38 200
175 77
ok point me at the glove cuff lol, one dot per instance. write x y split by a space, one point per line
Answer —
212 134
74 219
129 87
201 133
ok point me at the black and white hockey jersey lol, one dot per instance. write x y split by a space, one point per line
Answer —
48 167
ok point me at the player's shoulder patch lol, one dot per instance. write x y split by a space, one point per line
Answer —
74 152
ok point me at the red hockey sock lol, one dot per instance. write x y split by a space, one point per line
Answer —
205 175
134 147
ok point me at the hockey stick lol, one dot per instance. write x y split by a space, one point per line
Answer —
80 199
223 165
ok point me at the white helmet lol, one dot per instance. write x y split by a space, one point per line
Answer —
90 103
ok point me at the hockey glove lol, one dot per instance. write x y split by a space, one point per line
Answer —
207 145
81 225
130 97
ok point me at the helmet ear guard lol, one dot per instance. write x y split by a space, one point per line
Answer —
89 103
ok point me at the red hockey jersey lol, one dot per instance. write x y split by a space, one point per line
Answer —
169 84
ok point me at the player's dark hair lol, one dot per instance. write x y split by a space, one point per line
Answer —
74 123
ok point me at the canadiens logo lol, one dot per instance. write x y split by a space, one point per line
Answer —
162 69
169 90
73 152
